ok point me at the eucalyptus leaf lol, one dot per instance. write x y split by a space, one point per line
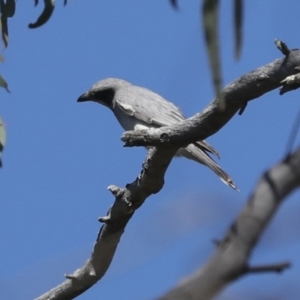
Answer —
4 84
8 9
210 12
45 15
238 27
4 30
2 139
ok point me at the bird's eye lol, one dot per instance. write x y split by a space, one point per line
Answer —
106 96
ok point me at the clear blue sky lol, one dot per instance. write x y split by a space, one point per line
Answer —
61 155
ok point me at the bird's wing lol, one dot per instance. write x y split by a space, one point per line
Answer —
150 108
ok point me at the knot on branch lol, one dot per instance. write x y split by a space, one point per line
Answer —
116 191
135 138
164 138
290 83
282 47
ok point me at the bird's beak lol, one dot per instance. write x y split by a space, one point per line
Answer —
84 97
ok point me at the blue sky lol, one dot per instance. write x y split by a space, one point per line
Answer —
61 155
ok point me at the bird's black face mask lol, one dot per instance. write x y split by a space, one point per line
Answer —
104 96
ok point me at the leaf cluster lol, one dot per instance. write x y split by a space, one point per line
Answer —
7 10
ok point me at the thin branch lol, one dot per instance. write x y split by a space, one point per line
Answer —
277 268
282 47
199 127
230 260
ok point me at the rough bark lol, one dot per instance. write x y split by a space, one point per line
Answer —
236 95
151 179
231 257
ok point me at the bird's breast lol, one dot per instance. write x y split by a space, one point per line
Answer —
129 122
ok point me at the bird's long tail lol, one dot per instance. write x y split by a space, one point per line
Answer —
203 145
200 156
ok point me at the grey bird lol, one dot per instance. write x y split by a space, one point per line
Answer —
138 108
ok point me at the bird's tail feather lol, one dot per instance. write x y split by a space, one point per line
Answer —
200 156
203 145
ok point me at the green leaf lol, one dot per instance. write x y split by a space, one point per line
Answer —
8 9
210 11
4 84
45 15
4 30
2 139
238 27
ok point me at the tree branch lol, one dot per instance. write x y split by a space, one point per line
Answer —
230 260
278 268
127 200
151 178
236 95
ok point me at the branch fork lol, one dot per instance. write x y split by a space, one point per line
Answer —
232 253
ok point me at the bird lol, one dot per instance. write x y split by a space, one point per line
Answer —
138 108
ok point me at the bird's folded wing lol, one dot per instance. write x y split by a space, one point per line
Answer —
150 108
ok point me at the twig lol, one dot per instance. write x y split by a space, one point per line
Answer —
282 47
277 268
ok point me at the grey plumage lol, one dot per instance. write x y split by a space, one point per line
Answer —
139 108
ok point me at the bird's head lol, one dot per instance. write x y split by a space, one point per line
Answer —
104 91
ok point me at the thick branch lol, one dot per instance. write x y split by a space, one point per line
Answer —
230 259
235 95
149 181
